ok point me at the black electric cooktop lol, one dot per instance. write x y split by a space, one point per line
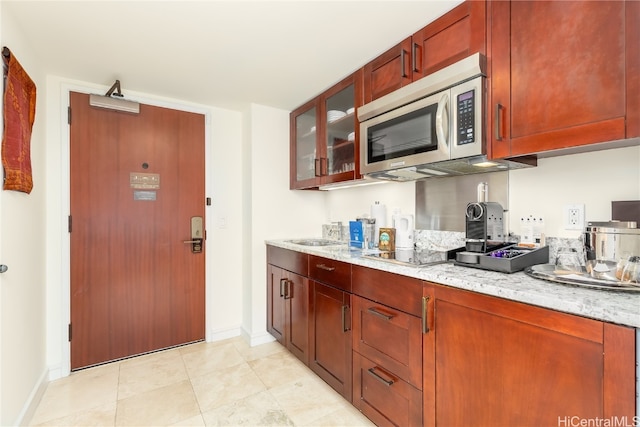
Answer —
416 258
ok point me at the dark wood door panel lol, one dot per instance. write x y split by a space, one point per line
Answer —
388 72
297 299
330 348
389 337
383 397
502 369
136 287
276 312
575 73
454 36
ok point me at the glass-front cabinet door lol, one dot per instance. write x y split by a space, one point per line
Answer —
324 136
340 132
307 166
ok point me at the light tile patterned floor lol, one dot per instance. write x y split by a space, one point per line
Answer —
226 383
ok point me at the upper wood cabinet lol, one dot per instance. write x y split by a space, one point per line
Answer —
324 136
562 74
452 37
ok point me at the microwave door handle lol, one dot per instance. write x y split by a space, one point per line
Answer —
442 119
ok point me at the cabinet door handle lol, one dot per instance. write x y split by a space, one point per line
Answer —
288 294
414 53
425 315
282 281
317 165
324 267
386 316
372 371
403 74
498 122
344 318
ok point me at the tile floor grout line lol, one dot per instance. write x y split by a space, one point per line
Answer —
193 390
115 413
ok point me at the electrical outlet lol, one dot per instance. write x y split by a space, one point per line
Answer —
574 217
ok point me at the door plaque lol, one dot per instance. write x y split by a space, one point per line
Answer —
144 181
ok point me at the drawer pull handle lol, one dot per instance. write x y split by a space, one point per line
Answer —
344 318
375 375
498 122
425 314
282 283
403 74
324 267
373 310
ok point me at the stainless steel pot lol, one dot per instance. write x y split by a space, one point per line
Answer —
609 241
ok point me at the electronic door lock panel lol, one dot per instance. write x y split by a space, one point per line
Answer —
197 235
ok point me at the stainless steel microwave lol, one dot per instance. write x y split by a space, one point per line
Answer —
437 118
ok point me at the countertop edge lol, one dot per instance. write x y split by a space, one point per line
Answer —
617 307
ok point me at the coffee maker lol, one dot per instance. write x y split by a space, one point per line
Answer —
484 226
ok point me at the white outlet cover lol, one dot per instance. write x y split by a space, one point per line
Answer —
574 217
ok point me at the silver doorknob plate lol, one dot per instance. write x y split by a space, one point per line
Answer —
3 268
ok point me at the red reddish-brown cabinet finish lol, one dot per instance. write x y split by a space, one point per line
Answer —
454 36
387 347
324 151
563 74
428 354
330 323
495 362
450 38
288 300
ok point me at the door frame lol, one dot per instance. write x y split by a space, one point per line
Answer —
65 205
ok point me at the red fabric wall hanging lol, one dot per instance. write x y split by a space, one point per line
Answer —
19 114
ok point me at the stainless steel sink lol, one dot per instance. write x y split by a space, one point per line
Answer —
315 242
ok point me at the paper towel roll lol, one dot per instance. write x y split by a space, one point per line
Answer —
379 213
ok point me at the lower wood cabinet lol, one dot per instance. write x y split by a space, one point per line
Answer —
492 362
288 300
288 310
411 353
387 363
387 347
330 347
389 337
384 397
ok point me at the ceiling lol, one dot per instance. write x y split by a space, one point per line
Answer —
215 52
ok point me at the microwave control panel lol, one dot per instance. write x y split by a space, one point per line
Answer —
466 117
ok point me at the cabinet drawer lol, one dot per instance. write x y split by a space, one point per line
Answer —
400 292
331 272
294 261
390 338
383 397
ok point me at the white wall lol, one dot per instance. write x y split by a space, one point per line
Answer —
349 203
276 212
594 179
22 249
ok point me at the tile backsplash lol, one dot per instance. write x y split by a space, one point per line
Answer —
446 240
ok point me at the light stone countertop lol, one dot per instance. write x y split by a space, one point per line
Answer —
620 307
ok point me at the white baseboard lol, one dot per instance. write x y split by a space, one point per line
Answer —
258 338
56 372
223 334
32 402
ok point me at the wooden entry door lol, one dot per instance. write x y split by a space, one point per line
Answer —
135 285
